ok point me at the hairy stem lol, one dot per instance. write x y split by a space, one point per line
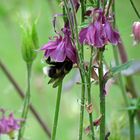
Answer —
88 77
82 112
132 126
83 8
26 103
74 31
56 112
102 95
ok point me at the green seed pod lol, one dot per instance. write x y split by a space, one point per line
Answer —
29 41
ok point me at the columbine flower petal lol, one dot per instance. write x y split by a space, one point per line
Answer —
99 32
113 36
61 48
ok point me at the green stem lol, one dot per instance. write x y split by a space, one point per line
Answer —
82 72
69 17
122 87
82 112
82 10
91 1
135 9
56 112
82 18
26 102
88 77
102 96
74 31
131 124
109 5
98 3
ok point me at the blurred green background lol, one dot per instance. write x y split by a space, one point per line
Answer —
43 95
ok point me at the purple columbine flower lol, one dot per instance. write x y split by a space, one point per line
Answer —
99 32
9 124
61 48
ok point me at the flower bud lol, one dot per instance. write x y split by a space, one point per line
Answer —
136 32
29 40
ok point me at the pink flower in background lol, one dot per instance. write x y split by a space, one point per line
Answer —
61 48
136 32
9 124
99 32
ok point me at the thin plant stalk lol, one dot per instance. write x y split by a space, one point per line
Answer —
82 112
56 112
130 115
81 63
132 126
98 3
131 120
21 94
102 95
83 2
88 77
135 9
26 103
130 85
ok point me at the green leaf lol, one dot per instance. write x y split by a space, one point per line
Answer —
119 68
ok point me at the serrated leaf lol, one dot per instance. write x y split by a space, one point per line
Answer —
118 69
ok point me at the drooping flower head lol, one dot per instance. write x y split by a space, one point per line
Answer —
99 32
61 48
9 124
136 32
60 54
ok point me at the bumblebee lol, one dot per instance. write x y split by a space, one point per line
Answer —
58 70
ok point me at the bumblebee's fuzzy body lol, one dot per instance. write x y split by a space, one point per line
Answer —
58 70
